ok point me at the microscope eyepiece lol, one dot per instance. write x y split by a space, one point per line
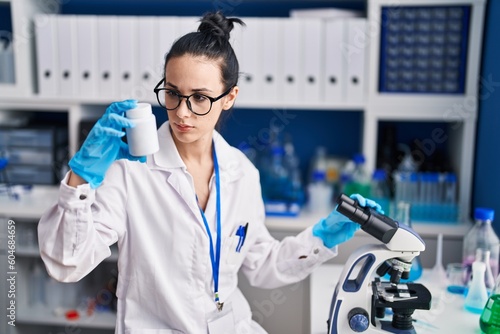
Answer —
380 226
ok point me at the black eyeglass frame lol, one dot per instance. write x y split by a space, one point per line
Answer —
158 89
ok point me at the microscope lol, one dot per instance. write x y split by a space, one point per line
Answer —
361 299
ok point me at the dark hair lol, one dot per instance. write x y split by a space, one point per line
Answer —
211 41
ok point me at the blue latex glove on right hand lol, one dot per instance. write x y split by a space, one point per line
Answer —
337 228
104 145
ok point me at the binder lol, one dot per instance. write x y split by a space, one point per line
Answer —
66 39
106 56
249 62
46 54
290 78
355 49
127 56
268 88
167 34
86 53
186 25
148 74
312 60
334 79
236 40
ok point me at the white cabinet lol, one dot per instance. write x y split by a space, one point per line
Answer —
40 302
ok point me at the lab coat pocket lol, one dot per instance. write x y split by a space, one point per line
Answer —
234 250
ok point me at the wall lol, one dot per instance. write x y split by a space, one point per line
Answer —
486 191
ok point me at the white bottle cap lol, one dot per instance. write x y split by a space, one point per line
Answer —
142 110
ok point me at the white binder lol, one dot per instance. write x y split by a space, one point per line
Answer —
249 62
290 79
187 24
312 60
268 88
236 40
106 57
127 56
46 54
334 83
148 74
86 54
66 39
167 34
355 49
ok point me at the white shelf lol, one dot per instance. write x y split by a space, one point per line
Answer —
424 229
42 316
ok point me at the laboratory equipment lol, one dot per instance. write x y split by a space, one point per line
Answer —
320 193
490 317
142 138
359 302
380 191
478 295
360 182
481 236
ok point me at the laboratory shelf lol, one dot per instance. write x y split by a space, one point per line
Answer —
424 229
41 316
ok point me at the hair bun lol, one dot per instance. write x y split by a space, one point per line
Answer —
217 24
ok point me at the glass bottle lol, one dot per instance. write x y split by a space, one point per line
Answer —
380 191
481 236
360 183
490 317
477 296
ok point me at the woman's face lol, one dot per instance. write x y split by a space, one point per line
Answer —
187 75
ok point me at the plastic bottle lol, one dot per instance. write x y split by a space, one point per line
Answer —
482 236
360 183
490 317
142 139
380 191
477 296
320 193
37 286
295 193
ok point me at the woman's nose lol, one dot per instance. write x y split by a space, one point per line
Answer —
183 110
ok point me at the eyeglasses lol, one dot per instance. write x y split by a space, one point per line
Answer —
198 104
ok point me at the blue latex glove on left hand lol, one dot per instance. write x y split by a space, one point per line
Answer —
337 228
104 144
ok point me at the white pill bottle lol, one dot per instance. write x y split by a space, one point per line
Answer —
142 139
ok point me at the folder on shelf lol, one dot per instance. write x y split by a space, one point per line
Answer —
312 60
249 62
148 73
186 24
127 55
66 40
268 83
106 56
86 52
167 34
354 50
334 79
290 77
46 54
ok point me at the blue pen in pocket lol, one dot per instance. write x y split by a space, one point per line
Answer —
242 233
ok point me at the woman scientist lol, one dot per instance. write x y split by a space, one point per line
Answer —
186 218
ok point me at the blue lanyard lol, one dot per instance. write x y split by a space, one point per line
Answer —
215 258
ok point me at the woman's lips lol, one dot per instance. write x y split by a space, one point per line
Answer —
183 127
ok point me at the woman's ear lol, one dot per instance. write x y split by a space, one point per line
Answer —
230 98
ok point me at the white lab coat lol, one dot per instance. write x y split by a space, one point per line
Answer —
165 282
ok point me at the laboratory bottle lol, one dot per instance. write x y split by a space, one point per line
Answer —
320 193
489 321
481 236
277 179
295 193
142 139
477 296
318 162
380 191
360 183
